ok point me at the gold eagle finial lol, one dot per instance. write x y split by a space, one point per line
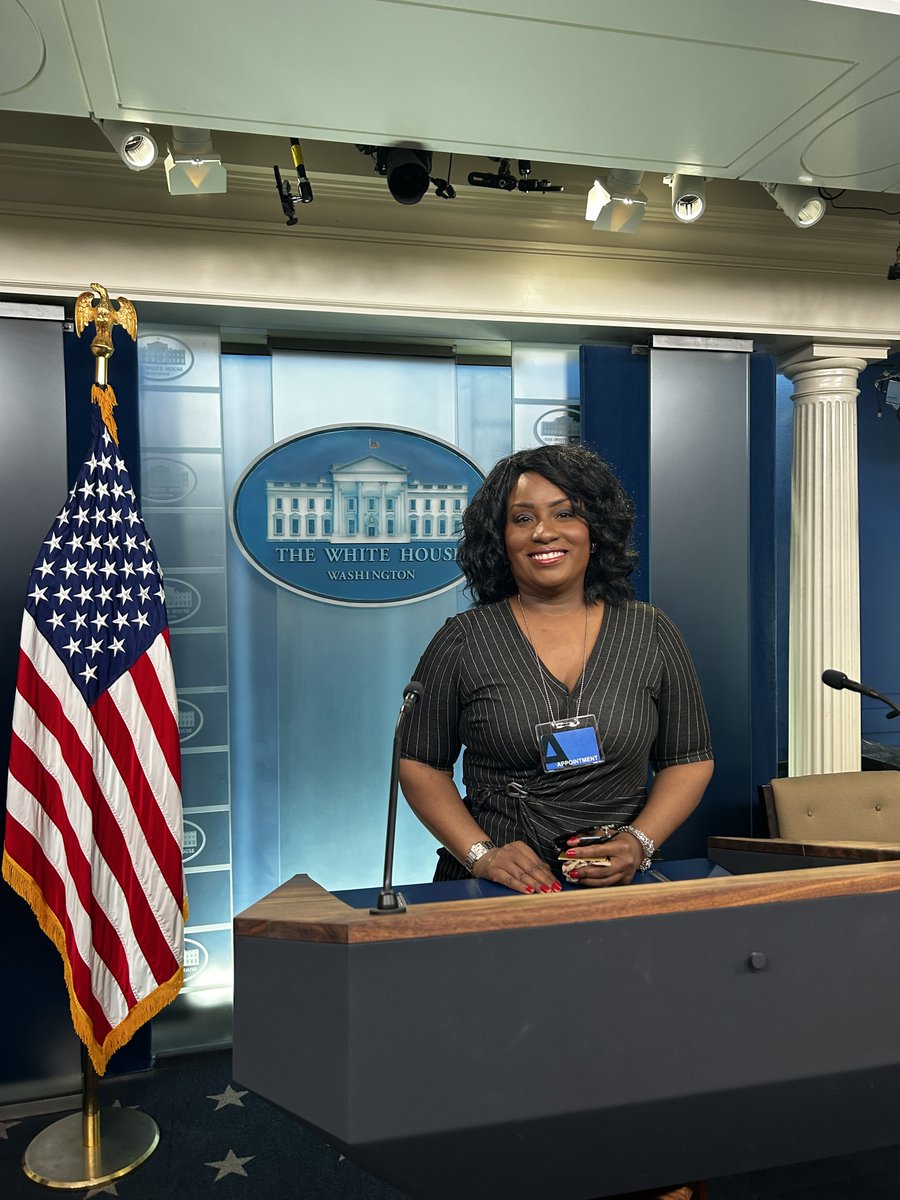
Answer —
104 313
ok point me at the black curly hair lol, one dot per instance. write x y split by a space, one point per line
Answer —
596 496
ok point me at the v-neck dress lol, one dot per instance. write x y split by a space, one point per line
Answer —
483 690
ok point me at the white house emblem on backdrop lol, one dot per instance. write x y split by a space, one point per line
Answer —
368 498
190 719
193 839
196 959
182 600
163 358
167 480
558 427
358 515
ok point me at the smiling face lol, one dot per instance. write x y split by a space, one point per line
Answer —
547 543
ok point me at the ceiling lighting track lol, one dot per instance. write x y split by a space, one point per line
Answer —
615 204
192 165
803 205
134 144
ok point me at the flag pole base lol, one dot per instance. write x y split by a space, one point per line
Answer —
58 1157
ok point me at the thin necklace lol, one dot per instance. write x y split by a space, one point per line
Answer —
541 669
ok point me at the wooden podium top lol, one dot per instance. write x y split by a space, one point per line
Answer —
302 910
859 852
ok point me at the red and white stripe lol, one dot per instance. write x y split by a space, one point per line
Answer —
93 834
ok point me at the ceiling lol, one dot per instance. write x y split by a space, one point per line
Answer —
770 90
738 91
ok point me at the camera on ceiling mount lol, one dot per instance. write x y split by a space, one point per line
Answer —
503 179
408 172
888 385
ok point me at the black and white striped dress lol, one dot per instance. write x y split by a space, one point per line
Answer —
483 691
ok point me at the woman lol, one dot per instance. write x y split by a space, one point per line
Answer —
560 686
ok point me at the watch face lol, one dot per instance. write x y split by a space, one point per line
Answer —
479 849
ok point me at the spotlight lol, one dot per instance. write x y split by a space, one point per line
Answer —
688 196
192 166
134 144
894 268
803 205
618 205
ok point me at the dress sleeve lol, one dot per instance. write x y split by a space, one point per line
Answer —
431 734
683 735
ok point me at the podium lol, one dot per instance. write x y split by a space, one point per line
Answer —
582 1044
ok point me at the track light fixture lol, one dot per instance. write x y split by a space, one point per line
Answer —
134 144
304 188
192 166
618 205
408 173
504 180
688 196
803 205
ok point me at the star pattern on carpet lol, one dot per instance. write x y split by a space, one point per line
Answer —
229 1096
231 1164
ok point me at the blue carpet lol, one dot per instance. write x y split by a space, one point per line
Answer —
220 1142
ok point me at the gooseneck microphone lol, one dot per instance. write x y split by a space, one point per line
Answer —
840 682
390 901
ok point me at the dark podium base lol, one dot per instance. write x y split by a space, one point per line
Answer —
583 1059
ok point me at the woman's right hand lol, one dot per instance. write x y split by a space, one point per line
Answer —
516 866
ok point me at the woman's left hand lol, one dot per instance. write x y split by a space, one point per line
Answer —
612 862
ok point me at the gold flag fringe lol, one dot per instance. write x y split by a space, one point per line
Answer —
106 398
100 1053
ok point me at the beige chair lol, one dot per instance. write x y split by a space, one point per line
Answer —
847 806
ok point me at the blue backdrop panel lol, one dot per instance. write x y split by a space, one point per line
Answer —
316 686
615 421
879 562
768 580
693 439
784 440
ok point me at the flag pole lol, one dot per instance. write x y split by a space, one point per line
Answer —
71 1153
83 1149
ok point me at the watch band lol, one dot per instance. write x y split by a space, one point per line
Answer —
475 852
646 845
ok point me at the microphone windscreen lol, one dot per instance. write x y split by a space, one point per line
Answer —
834 679
413 690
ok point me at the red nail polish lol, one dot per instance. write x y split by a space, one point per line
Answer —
571 854
529 888
545 887
557 887
573 841
573 875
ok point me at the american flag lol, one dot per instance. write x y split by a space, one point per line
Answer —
94 823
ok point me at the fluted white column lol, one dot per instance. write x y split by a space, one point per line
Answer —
824 725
